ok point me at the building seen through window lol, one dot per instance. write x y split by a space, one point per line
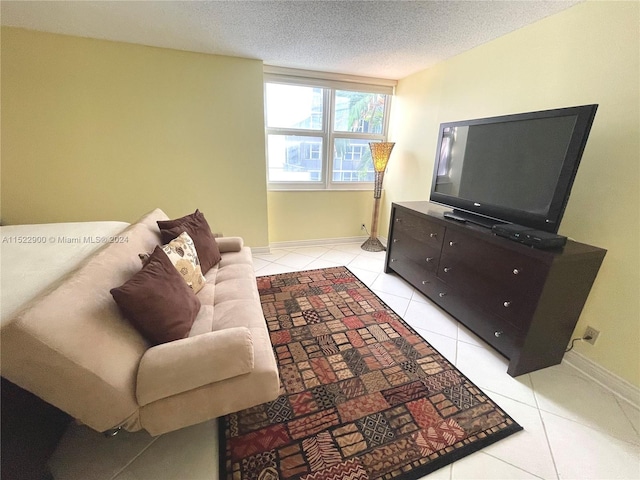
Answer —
319 137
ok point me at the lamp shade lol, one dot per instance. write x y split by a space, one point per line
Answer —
380 152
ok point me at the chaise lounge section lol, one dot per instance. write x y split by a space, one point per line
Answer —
73 347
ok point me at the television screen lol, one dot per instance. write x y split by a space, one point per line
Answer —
512 169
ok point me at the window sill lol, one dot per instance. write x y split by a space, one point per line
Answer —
328 190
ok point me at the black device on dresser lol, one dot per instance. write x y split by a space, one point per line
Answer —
524 302
529 236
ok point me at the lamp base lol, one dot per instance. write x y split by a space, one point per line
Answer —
372 244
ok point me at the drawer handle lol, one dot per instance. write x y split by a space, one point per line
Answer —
507 304
498 333
516 271
424 282
451 244
393 259
442 294
398 220
429 259
395 240
433 235
447 269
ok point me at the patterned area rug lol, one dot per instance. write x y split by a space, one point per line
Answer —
363 396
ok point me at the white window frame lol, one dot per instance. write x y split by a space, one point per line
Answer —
330 83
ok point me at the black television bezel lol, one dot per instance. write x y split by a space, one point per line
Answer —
493 214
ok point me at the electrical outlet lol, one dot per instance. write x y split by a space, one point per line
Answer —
363 227
591 332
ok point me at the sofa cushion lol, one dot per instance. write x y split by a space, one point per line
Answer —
198 229
193 362
157 301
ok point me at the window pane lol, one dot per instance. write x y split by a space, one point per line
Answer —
294 158
352 161
359 112
293 106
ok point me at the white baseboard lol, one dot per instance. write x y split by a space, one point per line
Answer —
313 243
317 242
255 250
308 243
618 386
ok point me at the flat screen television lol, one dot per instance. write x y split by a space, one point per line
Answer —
511 169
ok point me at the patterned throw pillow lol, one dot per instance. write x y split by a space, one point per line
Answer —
182 253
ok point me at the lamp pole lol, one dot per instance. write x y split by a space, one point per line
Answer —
380 153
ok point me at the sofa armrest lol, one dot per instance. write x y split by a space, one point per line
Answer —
230 244
189 363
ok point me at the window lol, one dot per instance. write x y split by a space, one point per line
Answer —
318 131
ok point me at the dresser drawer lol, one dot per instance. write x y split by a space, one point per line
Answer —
413 226
502 299
496 332
417 275
500 335
422 253
505 267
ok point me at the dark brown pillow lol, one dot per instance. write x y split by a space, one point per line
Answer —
157 301
198 229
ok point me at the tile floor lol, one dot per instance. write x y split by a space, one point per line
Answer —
573 427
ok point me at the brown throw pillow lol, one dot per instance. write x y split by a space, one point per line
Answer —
198 229
157 301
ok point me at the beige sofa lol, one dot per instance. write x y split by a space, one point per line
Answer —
72 347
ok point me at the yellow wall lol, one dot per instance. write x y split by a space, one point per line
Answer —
319 215
589 53
96 130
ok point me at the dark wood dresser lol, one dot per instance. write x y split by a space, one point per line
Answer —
524 302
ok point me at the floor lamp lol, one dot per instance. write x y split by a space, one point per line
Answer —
380 152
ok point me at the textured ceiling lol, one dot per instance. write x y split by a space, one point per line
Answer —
385 39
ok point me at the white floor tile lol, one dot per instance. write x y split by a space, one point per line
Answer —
393 285
273 269
295 260
488 369
272 256
564 391
365 276
339 257
527 449
321 263
443 473
354 248
429 317
84 454
480 466
189 453
467 336
314 252
258 263
366 263
397 304
632 413
419 297
377 255
448 347
581 452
